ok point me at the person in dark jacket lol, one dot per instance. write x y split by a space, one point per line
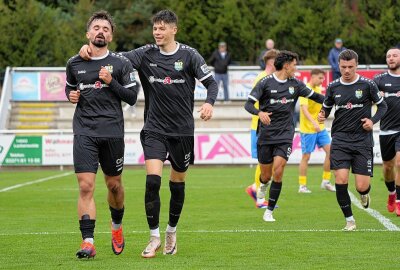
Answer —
334 56
220 60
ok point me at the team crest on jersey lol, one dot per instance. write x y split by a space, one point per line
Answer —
109 68
359 93
178 65
291 90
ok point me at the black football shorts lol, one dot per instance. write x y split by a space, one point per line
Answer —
267 152
177 149
390 145
90 151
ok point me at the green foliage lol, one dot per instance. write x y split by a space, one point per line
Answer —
47 33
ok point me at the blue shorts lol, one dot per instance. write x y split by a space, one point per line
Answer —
309 141
254 139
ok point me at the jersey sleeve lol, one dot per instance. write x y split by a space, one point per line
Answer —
304 91
376 96
257 91
128 78
135 56
70 83
200 68
329 101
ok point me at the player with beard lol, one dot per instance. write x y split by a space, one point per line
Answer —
277 95
167 71
389 136
97 88
352 140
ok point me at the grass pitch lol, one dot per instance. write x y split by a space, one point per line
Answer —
219 229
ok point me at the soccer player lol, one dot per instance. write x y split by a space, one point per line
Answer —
257 190
389 137
277 95
167 71
312 134
352 140
97 88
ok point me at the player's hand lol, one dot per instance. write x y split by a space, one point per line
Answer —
382 94
74 96
368 125
264 117
316 127
206 111
321 116
105 75
85 52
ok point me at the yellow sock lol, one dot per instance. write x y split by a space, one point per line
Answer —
302 180
257 176
326 175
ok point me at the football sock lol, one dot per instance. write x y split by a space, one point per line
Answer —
326 176
170 229
397 192
365 192
116 217
257 176
176 202
86 226
343 199
155 232
274 192
391 187
302 180
351 218
152 200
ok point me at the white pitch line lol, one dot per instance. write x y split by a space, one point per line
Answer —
201 231
35 181
375 214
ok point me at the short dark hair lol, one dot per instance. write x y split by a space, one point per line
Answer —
101 15
166 16
284 57
317 71
348 55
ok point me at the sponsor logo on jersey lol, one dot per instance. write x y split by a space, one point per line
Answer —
338 96
132 76
166 80
397 94
359 93
291 90
178 65
109 68
205 69
349 106
96 85
388 84
274 91
153 65
81 71
281 101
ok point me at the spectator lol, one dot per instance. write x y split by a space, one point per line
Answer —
220 60
269 44
334 56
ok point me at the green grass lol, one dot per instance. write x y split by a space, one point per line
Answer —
220 227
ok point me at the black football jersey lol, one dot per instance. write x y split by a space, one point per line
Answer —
389 84
99 112
168 81
279 98
352 102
